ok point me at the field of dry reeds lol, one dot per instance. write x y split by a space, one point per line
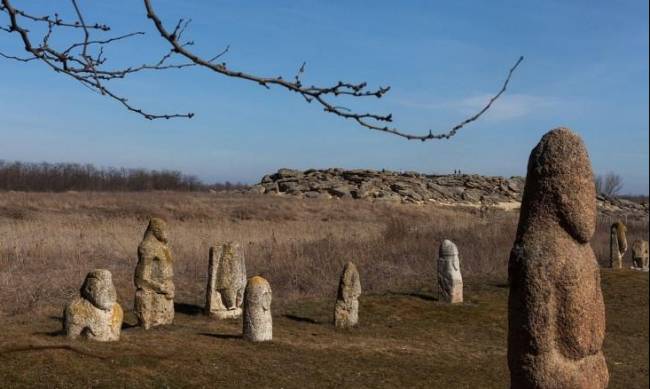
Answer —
49 241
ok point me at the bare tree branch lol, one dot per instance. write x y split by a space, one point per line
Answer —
609 185
83 61
320 94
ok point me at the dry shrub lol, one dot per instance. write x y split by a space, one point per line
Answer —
14 213
299 245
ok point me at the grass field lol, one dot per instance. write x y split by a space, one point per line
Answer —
404 340
48 242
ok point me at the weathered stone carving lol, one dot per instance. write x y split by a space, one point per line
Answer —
556 314
346 310
617 245
95 314
450 280
226 281
640 255
258 323
154 296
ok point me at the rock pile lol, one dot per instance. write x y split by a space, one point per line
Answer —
616 206
386 185
414 187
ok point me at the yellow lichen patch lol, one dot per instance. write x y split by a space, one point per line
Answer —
257 281
158 223
118 316
81 308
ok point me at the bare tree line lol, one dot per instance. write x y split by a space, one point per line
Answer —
60 177
85 60
609 184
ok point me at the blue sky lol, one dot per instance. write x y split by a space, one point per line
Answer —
586 68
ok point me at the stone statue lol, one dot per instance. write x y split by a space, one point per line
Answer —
258 323
154 296
617 245
640 255
226 281
450 280
346 310
95 314
556 314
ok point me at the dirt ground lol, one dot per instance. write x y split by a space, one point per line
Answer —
403 341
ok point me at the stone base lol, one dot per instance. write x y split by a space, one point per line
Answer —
454 296
226 314
643 269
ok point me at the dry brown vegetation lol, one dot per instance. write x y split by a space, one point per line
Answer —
48 242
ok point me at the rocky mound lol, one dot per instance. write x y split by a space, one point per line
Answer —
413 187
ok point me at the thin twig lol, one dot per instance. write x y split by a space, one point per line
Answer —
319 94
83 60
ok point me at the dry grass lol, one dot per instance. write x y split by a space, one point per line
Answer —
48 242
403 341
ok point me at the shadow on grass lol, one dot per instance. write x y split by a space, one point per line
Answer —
421 296
221 336
66 347
51 334
302 319
126 325
188 309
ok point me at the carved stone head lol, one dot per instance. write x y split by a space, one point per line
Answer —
99 290
350 284
560 185
619 230
258 293
157 227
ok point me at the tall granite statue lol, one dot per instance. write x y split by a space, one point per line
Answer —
617 245
450 280
226 281
346 310
640 255
258 322
556 314
154 296
95 314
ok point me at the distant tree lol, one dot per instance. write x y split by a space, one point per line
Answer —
609 185
46 177
84 60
